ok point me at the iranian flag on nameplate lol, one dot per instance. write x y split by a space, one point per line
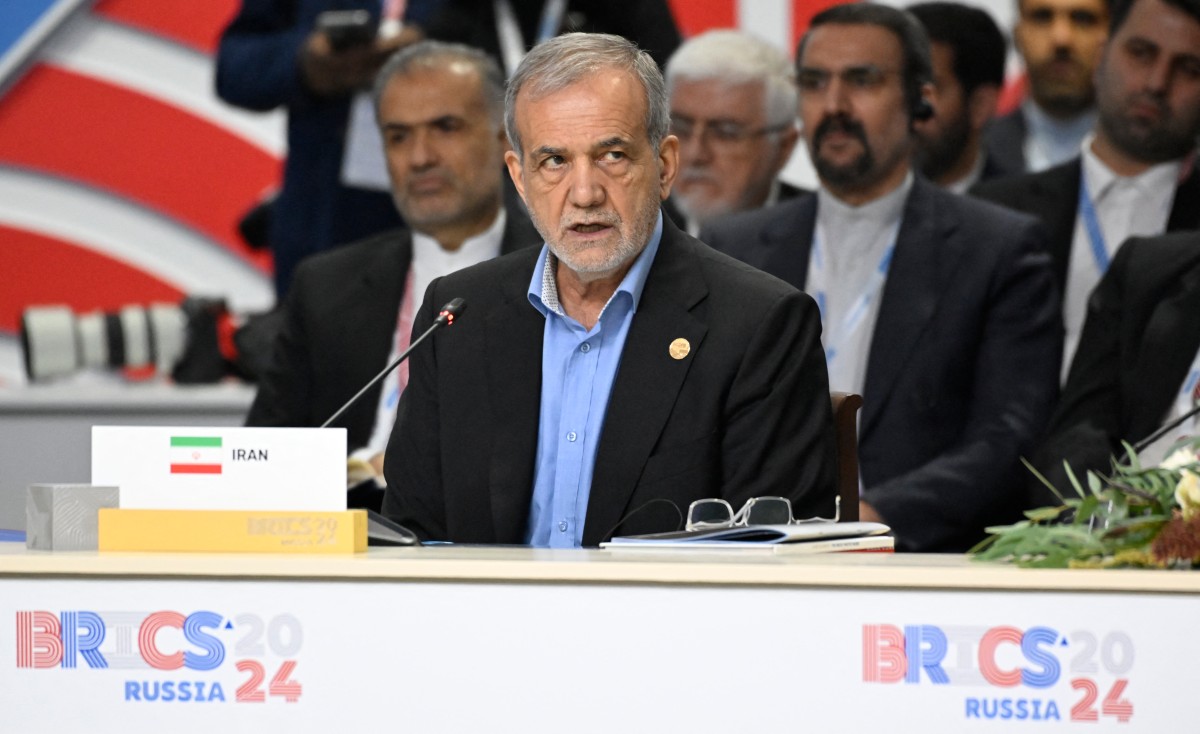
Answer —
206 468
195 454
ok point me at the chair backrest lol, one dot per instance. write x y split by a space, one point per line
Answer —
845 426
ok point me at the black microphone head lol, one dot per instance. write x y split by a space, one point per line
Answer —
452 310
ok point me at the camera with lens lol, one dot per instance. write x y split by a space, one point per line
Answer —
196 341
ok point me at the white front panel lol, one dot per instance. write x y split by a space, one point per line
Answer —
464 657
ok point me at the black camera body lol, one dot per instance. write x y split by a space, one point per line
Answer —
347 28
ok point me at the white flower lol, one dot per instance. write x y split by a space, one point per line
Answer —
1187 494
1179 458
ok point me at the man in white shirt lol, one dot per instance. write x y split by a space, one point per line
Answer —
940 310
1135 176
1059 41
349 312
733 108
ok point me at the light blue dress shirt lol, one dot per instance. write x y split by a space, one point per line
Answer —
578 368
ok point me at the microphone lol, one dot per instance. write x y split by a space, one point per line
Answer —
445 317
1141 445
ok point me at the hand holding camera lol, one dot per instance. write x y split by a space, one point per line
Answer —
345 50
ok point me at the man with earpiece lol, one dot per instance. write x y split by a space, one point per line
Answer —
941 311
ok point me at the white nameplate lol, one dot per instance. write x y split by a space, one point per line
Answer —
212 468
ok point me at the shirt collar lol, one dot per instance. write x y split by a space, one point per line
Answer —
1043 125
1100 178
882 211
482 246
543 285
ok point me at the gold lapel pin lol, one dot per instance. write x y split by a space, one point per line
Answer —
679 348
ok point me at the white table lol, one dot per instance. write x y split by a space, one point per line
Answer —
449 639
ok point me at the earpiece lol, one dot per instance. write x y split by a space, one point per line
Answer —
922 109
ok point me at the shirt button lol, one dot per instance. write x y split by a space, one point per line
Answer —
585 347
562 526
572 436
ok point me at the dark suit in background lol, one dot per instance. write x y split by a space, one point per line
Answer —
746 413
1004 143
648 23
258 68
339 326
1141 335
1053 197
963 362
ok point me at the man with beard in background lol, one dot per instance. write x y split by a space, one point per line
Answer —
733 108
1060 42
940 310
1136 174
968 70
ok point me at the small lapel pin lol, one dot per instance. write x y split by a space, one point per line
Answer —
679 348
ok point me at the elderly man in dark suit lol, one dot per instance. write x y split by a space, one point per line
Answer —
602 384
1138 362
940 310
440 110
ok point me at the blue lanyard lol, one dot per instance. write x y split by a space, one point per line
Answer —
1091 225
859 308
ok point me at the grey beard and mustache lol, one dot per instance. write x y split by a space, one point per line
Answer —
633 238
692 207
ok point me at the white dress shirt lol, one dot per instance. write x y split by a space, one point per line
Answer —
846 274
1125 206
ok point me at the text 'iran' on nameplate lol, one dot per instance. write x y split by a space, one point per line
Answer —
210 468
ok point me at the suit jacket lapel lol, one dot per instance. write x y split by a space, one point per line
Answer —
1171 341
786 242
1185 210
371 320
514 356
647 382
909 299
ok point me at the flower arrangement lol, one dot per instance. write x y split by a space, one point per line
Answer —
1146 517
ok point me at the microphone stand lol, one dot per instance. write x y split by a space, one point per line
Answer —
445 318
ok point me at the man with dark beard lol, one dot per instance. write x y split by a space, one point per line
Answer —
603 382
940 310
1136 175
967 51
1059 41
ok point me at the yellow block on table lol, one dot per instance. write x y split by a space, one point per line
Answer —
233 531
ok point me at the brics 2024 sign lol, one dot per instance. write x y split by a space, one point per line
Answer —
167 656
1026 670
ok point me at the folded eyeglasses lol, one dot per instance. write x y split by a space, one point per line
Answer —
714 513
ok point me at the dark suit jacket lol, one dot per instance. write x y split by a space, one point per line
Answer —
1053 196
963 363
1004 143
746 413
648 23
339 325
1141 335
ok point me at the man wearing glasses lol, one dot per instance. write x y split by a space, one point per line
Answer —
939 310
733 108
598 385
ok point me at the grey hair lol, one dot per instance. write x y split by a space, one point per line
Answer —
735 57
564 60
437 54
